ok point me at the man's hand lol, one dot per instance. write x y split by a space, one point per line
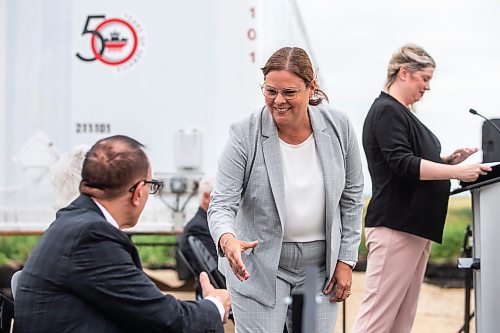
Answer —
221 294
342 278
232 248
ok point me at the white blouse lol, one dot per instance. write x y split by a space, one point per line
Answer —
304 192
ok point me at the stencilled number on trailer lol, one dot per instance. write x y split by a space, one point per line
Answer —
252 34
84 128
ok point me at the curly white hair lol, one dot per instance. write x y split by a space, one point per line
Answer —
66 175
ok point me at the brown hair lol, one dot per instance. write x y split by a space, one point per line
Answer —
295 60
112 165
412 56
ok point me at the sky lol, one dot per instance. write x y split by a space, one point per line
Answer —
354 40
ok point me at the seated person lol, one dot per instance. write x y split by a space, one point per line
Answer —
66 175
197 227
85 275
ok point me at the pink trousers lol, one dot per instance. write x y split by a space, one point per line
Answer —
394 275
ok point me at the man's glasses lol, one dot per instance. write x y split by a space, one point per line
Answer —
154 185
287 93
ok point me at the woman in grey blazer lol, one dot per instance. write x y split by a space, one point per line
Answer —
288 194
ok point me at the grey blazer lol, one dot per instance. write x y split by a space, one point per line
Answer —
258 214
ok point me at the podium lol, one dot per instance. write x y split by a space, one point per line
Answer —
485 263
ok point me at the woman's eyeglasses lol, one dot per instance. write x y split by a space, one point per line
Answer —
154 185
287 93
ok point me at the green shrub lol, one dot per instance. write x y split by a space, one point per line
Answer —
156 251
456 222
16 249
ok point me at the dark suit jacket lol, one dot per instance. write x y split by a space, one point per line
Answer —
395 141
85 275
198 227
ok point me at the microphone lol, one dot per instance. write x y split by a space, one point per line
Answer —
474 112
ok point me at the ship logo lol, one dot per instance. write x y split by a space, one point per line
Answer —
113 50
114 43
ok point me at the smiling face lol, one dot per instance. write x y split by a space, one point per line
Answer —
289 111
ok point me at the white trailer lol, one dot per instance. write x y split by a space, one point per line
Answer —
171 74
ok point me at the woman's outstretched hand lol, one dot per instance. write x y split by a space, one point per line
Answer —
232 248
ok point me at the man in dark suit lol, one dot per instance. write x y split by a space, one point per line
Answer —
198 227
85 274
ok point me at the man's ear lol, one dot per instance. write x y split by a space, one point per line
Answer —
137 194
206 198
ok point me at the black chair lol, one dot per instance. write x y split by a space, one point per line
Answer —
6 314
206 262
186 271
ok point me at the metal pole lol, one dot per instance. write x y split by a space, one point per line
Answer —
309 317
468 277
343 315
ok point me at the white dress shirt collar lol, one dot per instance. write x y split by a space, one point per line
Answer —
107 215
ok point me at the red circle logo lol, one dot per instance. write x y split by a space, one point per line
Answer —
118 40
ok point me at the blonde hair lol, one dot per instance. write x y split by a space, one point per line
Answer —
412 56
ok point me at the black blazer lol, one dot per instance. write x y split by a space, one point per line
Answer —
395 141
84 275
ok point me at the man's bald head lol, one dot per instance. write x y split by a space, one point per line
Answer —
112 165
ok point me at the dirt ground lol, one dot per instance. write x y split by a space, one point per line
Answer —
440 310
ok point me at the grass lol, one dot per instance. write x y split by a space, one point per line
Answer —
14 250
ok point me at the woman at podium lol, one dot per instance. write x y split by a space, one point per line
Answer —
410 194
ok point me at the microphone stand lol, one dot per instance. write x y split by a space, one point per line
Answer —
474 112
467 253
488 146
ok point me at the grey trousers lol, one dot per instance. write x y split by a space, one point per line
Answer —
252 317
